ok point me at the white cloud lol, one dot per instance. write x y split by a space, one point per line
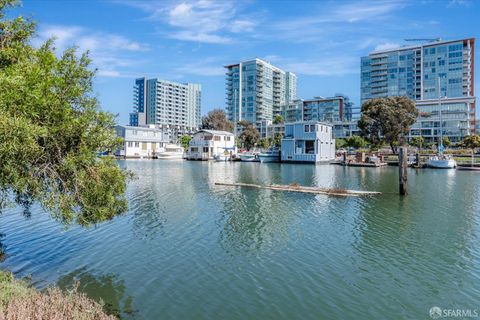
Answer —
362 10
206 67
323 66
199 37
386 46
460 3
108 51
205 21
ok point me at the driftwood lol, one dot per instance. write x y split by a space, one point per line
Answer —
298 188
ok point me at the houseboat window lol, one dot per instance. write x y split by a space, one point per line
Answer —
130 144
321 128
194 149
134 132
208 137
217 138
312 128
205 149
137 144
309 147
227 138
307 128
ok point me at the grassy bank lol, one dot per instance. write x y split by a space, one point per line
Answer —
18 300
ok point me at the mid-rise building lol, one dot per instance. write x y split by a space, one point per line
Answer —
334 109
437 75
167 105
257 91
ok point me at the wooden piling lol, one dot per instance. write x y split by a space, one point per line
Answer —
402 170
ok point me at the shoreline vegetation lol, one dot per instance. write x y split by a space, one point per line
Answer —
19 300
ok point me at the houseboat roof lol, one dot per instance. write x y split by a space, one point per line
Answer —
310 122
215 132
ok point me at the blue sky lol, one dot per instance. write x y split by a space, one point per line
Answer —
191 41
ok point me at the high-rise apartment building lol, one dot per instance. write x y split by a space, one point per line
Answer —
257 91
438 75
166 104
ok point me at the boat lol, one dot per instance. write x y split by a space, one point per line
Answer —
271 155
221 157
441 162
170 152
249 157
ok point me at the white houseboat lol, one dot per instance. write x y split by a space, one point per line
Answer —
140 142
211 144
308 142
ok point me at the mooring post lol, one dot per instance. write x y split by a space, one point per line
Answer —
402 170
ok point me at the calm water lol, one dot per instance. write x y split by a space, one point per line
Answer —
188 249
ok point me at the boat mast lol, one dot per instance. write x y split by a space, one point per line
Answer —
440 148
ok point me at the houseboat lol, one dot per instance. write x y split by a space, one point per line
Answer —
308 142
211 144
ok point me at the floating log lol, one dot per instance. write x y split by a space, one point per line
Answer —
298 188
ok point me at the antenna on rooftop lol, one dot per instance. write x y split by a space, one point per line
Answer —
425 40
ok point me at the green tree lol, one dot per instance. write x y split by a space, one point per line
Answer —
387 120
51 128
356 142
472 142
418 142
339 143
446 142
249 136
277 139
185 140
217 120
264 143
278 119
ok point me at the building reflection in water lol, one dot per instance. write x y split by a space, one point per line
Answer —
103 288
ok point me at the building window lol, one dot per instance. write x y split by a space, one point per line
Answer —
137 144
312 128
130 144
205 149
217 138
194 149
309 147
307 128
227 138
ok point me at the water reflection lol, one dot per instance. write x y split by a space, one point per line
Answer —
104 288
2 248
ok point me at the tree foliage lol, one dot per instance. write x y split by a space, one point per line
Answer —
278 119
264 143
418 142
51 128
249 136
446 142
277 139
471 142
356 142
217 120
185 140
387 120
340 143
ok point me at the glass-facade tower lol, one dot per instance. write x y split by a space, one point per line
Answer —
256 91
438 75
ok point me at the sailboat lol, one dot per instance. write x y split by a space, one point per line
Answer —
441 161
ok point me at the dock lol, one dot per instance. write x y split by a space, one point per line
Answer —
302 189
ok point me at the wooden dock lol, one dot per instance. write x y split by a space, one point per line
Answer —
303 189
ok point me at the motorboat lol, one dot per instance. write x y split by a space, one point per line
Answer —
441 162
271 155
170 152
249 157
221 157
